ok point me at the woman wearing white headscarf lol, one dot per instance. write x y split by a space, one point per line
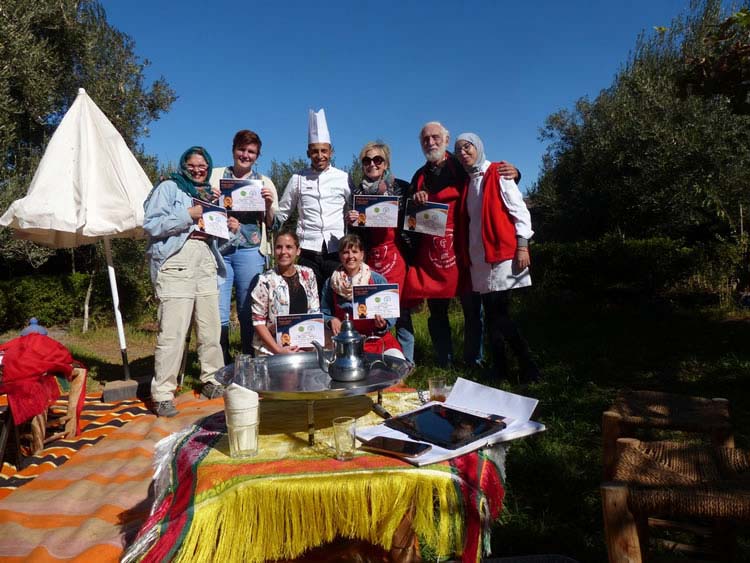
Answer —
499 229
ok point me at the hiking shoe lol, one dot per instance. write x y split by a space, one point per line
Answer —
164 408
212 390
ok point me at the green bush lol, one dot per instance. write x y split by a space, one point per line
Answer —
51 299
58 299
648 266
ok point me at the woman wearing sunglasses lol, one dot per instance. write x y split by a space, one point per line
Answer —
385 246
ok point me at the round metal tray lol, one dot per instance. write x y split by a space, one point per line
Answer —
295 377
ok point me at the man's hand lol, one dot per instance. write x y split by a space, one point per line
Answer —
420 197
508 171
335 325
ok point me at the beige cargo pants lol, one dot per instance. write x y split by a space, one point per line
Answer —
185 283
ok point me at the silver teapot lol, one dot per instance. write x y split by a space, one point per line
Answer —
348 360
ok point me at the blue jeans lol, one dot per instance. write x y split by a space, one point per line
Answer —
405 334
439 327
243 266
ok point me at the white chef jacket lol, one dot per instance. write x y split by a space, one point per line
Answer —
499 276
321 199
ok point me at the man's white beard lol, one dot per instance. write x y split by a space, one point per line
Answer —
436 155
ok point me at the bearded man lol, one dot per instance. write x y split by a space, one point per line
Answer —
437 273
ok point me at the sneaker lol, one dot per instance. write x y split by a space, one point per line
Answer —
212 390
164 408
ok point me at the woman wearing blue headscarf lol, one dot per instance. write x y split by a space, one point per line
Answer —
185 265
499 229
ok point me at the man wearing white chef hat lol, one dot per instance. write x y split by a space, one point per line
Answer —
320 194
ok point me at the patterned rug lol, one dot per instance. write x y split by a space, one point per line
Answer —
98 420
92 507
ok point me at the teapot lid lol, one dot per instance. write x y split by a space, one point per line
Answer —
347 332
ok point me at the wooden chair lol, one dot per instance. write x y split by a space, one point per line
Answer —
10 441
655 484
66 426
633 410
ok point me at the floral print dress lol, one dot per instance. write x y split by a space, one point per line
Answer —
271 299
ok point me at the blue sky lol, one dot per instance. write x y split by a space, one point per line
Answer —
380 70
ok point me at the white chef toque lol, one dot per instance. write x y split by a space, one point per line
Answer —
317 131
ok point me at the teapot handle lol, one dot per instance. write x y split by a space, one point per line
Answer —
382 350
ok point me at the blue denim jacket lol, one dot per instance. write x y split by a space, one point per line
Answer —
168 223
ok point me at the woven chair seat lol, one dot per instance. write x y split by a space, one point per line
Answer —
670 411
676 480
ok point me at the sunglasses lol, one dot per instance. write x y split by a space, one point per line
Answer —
376 160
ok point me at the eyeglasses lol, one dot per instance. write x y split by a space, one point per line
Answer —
466 147
376 160
198 168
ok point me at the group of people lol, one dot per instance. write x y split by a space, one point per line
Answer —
482 255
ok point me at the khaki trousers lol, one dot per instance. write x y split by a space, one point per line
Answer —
186 283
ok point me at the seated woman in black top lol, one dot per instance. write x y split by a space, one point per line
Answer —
286 289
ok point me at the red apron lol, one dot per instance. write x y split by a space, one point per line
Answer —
384 257
434 272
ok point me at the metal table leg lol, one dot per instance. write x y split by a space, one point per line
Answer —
311 423
378 408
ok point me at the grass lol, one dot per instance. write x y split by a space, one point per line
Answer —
587 349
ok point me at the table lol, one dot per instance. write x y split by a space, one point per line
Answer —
294 496
298 377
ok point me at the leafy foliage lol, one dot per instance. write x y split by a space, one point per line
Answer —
355 170
56 299
646 267
640 160
721 64
281 172
52 299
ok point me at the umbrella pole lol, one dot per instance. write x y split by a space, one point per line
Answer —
116 303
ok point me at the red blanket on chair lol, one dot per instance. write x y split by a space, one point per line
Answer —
29 365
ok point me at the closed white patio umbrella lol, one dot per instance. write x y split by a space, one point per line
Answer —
88 187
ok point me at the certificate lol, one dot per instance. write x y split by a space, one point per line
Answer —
300 330
213 221
376 299
429 218
376 210
242 195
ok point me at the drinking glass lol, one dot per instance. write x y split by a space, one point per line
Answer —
243 438
343 436
260 372
243 370
438 389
